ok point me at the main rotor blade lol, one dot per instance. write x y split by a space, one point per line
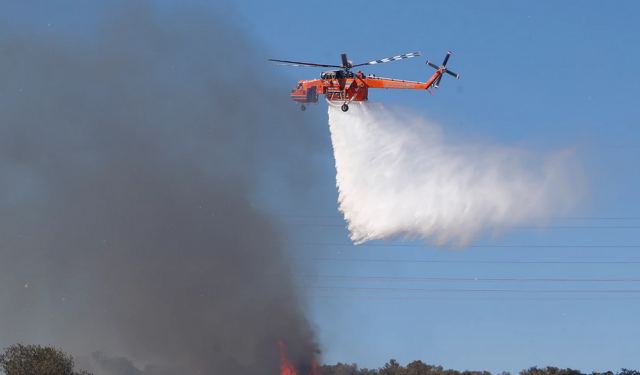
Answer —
299 63
446 58
452 73
345 60
389 59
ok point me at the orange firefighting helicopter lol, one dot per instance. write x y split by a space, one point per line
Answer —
345 86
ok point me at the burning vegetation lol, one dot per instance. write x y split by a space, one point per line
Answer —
288 368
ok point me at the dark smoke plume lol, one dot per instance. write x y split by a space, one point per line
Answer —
130 153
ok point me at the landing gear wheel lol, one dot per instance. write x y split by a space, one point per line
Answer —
303 107
345 107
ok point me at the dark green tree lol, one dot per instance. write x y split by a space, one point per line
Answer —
340 369
421 368
550 370
22 359
392 368
608 373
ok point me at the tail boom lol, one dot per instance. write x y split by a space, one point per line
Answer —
392 83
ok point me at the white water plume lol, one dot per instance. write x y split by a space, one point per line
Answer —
398 176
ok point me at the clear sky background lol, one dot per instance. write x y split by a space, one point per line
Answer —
544 75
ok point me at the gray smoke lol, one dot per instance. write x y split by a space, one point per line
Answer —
130 153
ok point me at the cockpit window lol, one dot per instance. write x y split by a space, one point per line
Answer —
328 75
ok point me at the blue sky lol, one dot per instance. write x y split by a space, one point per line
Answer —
543 75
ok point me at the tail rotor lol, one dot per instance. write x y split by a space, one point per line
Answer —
442 69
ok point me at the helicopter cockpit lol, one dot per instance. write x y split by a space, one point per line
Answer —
337 74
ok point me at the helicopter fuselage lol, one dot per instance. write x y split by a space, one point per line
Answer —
346 86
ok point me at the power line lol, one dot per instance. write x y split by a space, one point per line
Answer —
532 227
472 290
472 279
515 246
586 218
438 261
352 297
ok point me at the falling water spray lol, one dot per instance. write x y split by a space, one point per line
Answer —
399 176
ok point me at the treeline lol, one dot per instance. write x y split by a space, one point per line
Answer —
420 368
40 360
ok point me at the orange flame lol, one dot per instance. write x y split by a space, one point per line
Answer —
287 368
